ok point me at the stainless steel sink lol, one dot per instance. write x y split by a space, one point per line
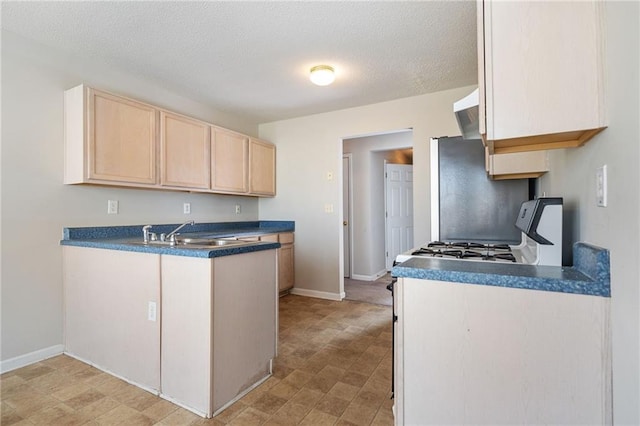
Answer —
208 242
196 243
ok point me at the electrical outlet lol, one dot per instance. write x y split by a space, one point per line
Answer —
112 207
238 209
151 314
601 186
186 208
328 208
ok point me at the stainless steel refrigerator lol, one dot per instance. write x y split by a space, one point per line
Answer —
466 205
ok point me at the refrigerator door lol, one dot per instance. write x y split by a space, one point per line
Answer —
466 204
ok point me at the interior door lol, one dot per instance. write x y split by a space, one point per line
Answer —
399 210
346 213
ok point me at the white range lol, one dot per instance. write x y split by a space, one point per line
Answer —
540 221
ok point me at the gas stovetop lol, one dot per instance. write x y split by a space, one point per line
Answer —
463 251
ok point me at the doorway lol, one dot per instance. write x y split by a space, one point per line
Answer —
363 197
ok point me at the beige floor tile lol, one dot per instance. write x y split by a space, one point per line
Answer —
284 390
9 417
85 398
322 384
123 415
291 413
57 415
359 414
98 408
180 417
136 398
369 398
333 405
32 371
298 378
159 410
354 379
70 391
231 412
308 397
268 403
318 418
384 417
250 417
344 391
332 372
29 401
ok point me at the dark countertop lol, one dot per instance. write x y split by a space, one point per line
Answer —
129 238
590 274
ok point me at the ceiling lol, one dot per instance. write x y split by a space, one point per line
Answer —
253 58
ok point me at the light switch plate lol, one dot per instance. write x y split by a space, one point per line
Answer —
601 186
186 208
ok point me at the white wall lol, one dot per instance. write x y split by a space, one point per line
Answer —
616 227
368 156
310 146
35 203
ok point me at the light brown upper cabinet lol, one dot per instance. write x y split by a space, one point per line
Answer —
113 140
229 161
541 74
262 167
184 151
108 139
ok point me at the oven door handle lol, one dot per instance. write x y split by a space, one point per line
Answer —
390 285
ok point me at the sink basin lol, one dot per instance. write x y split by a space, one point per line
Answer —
207 242
196 243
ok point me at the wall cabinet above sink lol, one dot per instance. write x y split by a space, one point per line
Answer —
113 140
541 74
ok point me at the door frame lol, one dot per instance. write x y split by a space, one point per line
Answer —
348 182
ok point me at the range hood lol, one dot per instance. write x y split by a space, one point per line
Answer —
467 113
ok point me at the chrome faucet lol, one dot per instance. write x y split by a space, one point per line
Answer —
146 234
171 236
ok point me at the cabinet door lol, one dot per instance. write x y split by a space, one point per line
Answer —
121 139
285 267
262 167
184 153
542 72
229 159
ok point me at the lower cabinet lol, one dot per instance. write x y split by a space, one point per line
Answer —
200 332
286 261
472 354
218 327
107 294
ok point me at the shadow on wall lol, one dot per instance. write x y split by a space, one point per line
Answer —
570 227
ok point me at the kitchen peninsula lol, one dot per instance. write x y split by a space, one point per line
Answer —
482 342
195 324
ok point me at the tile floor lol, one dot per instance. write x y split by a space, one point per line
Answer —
333 367
369 291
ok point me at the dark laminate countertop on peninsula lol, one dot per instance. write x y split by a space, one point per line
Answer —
129 238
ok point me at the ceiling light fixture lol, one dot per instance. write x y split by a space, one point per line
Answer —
322 75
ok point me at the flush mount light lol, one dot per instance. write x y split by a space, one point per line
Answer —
322 75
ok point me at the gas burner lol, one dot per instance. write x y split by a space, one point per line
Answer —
425 251
504 256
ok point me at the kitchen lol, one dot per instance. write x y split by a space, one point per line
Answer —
36 206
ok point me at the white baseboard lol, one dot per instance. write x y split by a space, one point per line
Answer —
317 294
369 277
30 358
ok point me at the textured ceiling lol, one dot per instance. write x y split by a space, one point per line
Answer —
252 58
